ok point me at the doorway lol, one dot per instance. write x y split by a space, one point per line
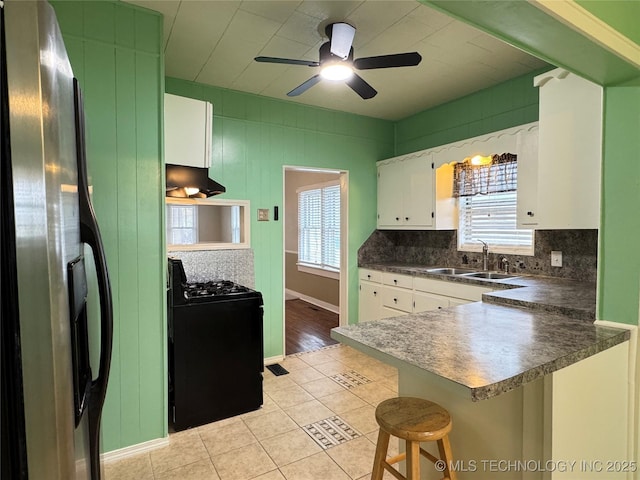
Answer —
315 256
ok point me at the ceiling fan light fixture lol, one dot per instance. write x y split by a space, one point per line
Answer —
336 71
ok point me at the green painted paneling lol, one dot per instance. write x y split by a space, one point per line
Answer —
508 104
521 24
254 137
115 52
619 265
622 15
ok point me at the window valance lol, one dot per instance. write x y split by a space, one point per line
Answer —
501 175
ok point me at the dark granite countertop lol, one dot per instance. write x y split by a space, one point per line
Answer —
529 327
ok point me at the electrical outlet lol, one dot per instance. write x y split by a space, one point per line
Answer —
263 214
556 258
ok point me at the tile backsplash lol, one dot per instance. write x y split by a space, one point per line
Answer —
439 248
205 265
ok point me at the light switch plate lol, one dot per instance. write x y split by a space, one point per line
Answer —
556 258
263 214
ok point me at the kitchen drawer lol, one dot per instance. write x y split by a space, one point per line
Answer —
370 275
423 302
457 301
450 289
397 280
397 298
386 312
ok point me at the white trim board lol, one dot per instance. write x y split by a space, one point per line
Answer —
313 301
272 360
130 451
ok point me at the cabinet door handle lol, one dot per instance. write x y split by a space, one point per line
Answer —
397 219
395 300
530 214
395 281
375 293
368 276
406 219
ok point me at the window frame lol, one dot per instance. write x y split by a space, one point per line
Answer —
322 269
170 222
244 224
527 250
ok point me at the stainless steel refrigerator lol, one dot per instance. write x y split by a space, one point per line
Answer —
51 400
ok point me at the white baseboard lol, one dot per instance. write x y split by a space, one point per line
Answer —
132 450
272 360
314 301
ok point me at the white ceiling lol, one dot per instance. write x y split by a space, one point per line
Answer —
214 42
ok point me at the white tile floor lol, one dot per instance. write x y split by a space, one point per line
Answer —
275 442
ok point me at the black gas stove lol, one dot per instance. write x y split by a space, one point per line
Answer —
216 352
182 292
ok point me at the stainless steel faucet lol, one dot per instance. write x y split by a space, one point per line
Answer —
504 264
485 255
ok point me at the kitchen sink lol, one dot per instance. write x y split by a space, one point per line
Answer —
450 271
490 275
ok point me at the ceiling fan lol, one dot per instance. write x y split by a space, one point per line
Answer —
337 63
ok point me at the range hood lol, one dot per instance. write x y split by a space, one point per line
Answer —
190 182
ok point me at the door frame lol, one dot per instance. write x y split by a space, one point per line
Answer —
343 314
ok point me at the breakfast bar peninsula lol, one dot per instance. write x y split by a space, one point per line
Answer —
535 389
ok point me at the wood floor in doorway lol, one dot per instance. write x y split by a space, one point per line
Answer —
307 326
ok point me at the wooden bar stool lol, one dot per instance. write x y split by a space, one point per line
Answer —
414 420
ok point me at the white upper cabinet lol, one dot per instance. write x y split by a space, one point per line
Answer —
415 191
405 187
187 131
527 213
412 194
569 152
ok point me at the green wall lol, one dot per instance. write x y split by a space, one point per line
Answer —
253 138
115 51
619 268
511 103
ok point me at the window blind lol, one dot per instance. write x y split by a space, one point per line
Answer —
492 219
319 227
182 224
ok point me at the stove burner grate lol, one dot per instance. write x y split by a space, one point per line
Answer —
213 288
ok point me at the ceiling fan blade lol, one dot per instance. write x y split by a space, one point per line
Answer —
362 88
341 39
287 61
304 86
387 61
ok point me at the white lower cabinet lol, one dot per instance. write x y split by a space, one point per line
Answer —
384 294
369 304
424 302
458 301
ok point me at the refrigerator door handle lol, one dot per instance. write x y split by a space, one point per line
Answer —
90 234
